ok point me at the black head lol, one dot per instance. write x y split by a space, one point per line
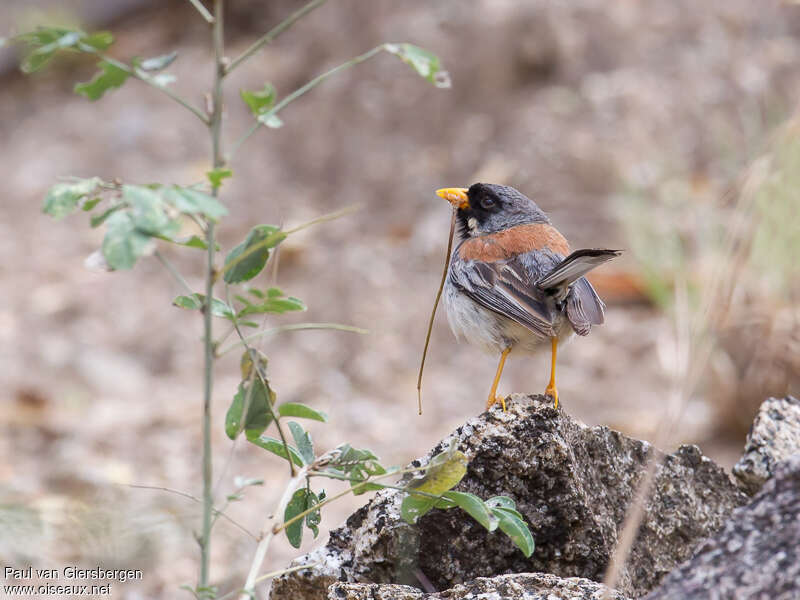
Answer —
489 208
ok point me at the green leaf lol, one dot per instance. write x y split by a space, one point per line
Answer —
512 524
501 502
148 211
259 415
276 447
294 409
98 220
109 77
274 304
271 120
259 101
297 504
194 241
99 40
243 482
156 63
63 198
474 507
44 42
191 201
216 176
303 441
124 243
313 519
255 249
195 302
425 63
88 205
446 470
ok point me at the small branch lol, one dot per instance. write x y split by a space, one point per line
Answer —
352 489
273 33
337 214
263 545
202 10
271 575
257 372
217 512
299 92
295 327
270 239
173 271
162 88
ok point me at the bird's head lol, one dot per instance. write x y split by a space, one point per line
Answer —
489 208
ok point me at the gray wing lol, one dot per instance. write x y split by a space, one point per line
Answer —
508 287
584 306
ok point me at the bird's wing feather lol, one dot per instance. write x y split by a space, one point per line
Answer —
506 287
584 307
575 266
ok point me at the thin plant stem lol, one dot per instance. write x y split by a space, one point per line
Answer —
218 512
299 92
173 271
270 240
433 310
215 126
295 327
202 10
263 545
271 575
162 88
353 489
273 33
257 373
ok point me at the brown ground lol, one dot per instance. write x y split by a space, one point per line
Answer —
570 102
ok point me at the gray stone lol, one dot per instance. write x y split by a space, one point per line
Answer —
773 437
756 554
519 586
572 483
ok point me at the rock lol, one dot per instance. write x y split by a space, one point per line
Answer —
773 437
756 554
520 586
572 483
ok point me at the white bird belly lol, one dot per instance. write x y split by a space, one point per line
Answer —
492 332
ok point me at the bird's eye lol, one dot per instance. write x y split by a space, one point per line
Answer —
487 202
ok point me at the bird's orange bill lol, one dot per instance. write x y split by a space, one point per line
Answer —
455 196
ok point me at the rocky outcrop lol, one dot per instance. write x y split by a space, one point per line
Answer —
523 586
756 554
774 436
572 483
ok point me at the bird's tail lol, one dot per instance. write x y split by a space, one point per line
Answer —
575 266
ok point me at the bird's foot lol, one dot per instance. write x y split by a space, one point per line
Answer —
553 393
494 400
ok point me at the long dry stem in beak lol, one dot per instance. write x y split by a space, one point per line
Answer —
435 305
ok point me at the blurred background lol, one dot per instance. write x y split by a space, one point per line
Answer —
664 127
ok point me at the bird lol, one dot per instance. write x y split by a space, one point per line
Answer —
512 282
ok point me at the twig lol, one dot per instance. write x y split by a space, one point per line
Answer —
162 88
258 374
299 92
219 512
263 545
433 311
294 327
202 10
273 33
271 575
173 271
270 239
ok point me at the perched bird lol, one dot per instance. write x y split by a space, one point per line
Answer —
512 283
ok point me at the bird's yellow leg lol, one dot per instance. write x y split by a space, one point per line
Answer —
492 395
551 387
